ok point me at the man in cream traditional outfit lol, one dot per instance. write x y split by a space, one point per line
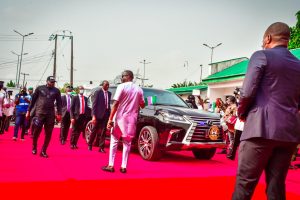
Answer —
127 101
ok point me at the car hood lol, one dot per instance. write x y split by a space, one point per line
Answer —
187 111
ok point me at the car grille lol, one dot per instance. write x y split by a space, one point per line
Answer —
200 128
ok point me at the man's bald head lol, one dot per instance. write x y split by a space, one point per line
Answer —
279 31
276 34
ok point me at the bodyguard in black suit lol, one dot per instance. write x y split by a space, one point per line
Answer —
101 112
79 110
66 101
269 102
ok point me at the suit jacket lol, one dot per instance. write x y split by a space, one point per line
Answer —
270 96
98 107
75 107
64 104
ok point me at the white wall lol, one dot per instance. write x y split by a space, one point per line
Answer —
222 89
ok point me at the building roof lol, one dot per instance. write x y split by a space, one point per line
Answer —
236 71
227 60
188 90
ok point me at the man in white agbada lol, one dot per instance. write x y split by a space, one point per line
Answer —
128 100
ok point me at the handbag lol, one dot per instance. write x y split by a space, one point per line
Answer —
231 120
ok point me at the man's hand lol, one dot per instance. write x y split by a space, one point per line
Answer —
110 124
27 115
58 118
94 120
72 121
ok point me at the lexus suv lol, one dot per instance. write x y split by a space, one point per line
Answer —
169 124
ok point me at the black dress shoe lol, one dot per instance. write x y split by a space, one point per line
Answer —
34 151
102 150
123 170
108 168
90 148
44 155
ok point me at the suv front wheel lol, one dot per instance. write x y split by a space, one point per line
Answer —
204 154
148 144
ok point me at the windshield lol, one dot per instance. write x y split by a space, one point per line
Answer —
164 97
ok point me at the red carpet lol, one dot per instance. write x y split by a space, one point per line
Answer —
76 174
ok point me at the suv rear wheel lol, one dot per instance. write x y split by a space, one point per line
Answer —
204 154
148 144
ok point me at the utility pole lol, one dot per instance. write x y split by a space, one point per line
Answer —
17 73
71 71
54 37
144 76
23 37
55 52
24 74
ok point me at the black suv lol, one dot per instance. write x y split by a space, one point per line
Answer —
171 125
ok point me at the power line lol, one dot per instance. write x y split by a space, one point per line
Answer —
45 69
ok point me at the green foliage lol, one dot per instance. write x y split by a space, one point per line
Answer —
295 34
11 84
185 84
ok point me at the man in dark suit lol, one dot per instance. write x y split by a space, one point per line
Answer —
101 112
66 101
78 112
269 103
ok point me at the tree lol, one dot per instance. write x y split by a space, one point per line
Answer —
11 84
185 84
295 34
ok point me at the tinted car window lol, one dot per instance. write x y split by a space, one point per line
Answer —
164 97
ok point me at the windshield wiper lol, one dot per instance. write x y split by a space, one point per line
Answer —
176 105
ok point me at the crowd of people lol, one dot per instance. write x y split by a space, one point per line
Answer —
41 108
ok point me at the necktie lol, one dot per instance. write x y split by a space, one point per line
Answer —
68 103
106 100
82 104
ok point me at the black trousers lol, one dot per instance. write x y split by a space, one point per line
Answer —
65 125
100 127
257 155
38 122
78 128
2 123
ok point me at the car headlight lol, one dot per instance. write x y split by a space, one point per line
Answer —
171 117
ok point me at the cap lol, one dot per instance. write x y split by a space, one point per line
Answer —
30 88
69 86
51 79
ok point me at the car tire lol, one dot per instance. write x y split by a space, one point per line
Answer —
148 144
204 154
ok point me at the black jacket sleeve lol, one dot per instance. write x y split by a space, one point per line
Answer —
58 102
35 96
253 77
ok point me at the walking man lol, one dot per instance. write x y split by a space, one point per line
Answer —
101 111
22 101
66 101
43 100
128 100
269 103
78 114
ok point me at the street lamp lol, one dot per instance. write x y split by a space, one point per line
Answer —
17 64
23 36
144 76
212 51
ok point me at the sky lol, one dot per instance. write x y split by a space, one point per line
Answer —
113 35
